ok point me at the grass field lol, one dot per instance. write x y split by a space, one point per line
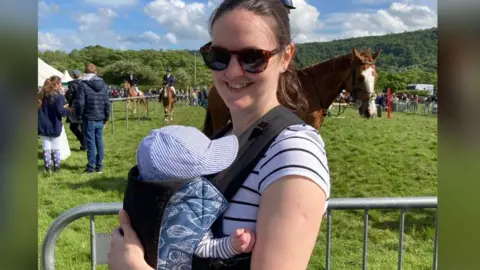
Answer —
367 158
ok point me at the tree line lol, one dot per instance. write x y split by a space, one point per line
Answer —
409 57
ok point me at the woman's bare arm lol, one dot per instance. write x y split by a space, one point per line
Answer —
288 222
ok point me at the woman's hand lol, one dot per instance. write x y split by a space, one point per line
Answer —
126 252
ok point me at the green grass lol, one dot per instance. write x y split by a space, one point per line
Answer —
367 158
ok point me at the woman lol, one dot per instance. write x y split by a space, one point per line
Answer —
50 112
284 198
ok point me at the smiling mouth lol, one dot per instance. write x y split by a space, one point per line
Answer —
237 86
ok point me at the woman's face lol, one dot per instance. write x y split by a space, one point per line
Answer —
240 90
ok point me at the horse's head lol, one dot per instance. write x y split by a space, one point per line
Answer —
362 80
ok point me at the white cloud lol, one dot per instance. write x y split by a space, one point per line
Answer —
185 24
399 17
96 22
149 38
111 3
48 41
184 21
93 29
188 21
171 37
45 9
304 22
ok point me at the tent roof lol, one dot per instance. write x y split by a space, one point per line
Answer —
66 77
45 71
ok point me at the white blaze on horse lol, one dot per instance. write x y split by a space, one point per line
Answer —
167 100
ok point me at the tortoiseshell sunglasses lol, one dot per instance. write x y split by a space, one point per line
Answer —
252 60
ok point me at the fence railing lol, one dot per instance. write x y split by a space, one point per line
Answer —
99 256
180 101
426 108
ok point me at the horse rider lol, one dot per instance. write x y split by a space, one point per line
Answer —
168 81
133 82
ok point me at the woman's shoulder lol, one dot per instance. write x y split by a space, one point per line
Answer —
296 134
297 150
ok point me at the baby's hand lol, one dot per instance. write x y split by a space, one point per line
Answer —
243 240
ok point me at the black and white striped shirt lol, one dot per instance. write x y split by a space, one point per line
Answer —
298 150
210 247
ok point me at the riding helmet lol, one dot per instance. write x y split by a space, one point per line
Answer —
288 4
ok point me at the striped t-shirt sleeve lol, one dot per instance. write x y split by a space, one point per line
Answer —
210 247
298 150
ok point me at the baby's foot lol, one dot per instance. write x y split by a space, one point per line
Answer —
243 240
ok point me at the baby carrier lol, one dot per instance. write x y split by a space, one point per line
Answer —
170 217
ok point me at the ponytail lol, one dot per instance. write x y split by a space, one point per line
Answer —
289 91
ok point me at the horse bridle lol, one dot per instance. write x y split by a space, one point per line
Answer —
353 73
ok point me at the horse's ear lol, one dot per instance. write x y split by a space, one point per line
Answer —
355 54
376 54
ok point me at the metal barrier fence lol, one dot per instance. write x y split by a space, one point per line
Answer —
97 209
427 108
180 100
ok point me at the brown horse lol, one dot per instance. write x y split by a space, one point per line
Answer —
322 83
167 100
131 93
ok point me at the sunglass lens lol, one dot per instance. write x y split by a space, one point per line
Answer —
253 60
216 58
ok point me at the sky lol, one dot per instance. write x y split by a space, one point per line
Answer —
176 24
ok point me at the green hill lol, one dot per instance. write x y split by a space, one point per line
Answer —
409 57
416 49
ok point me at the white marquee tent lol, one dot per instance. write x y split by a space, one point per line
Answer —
66 77
45 71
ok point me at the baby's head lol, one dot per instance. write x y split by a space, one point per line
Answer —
181 153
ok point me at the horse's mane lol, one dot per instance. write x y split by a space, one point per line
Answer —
338 62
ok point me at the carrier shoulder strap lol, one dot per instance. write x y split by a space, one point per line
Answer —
254 142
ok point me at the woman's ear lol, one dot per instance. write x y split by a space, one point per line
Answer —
288 54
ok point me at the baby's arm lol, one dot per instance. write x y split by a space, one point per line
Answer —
210 247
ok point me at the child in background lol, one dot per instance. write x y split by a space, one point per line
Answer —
50 112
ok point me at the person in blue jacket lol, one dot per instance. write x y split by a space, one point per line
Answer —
50 112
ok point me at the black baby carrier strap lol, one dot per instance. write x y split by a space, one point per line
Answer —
254 142
145 202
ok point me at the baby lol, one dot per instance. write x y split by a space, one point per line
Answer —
182 153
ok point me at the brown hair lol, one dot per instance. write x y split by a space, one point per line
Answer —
289 89
49 90
90 68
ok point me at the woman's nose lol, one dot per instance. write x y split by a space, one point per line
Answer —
234 68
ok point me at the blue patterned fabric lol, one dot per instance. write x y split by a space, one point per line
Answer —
188 215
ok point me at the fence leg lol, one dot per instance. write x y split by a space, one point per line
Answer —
126 114
435 242
113 117
400 240
329 220
365 233
93 250
148 102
